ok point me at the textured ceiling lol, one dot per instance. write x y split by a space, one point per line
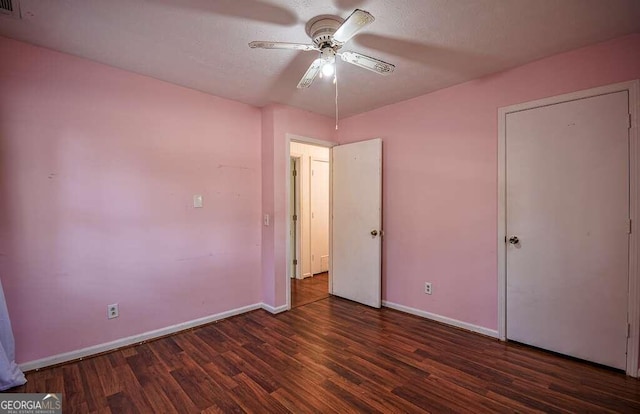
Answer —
202 44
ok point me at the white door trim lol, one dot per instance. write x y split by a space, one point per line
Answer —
633 88
287 152
298 160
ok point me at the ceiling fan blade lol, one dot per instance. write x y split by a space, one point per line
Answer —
282 45
367 62
311 74
354 23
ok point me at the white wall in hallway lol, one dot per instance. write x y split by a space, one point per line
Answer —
306 153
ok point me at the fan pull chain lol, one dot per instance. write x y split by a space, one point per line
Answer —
335 81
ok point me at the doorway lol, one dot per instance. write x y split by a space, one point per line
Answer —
355 230
309 223
568 187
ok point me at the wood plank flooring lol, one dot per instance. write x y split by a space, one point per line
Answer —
334 356
311 289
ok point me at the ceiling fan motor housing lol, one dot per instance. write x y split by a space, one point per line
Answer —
321 29
328 54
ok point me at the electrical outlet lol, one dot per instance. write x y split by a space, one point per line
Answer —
427 288
112 311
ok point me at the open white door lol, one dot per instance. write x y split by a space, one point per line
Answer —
356 207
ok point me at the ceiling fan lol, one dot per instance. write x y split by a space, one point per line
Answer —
329 34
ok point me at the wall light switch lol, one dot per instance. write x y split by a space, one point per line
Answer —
197 201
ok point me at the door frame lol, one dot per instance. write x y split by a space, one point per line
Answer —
287 149
296 158
633 89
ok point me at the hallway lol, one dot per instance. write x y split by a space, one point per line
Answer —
311 289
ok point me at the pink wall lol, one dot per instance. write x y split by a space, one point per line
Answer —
440 176
98 167
278 121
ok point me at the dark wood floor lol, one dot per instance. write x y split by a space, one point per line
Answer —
334 356
311 289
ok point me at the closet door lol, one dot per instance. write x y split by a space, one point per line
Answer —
568 227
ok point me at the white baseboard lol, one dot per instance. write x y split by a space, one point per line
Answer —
119 343
109 346
443 319
273 310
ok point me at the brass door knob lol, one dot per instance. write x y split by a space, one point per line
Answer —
374 233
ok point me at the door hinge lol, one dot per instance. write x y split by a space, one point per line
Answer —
295 262
295 217
630 226
628 330
629 121
295 173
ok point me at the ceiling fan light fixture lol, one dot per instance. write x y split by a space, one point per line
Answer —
329 68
